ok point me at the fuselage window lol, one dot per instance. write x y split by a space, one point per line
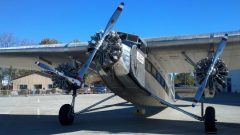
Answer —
163 83
148 66
154 71
158 77
151 69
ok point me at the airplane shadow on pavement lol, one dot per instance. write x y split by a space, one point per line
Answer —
110 121
222 99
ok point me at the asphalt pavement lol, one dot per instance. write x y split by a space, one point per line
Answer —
39 115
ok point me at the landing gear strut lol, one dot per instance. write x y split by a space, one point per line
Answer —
66 112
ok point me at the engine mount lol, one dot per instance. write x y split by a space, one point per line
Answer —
110 51
217 80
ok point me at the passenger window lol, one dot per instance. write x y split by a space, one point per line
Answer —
148 66
158 77
154 71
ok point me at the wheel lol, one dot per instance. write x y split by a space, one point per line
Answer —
66 116
209 120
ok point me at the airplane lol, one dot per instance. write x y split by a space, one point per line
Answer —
135 69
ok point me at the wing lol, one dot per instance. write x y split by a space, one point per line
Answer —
179 54
24 57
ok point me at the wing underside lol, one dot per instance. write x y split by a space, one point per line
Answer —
24 57
172 54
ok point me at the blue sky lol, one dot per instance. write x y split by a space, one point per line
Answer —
66 20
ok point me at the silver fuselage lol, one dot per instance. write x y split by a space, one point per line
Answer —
134 78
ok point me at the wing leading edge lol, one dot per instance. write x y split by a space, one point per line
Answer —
24 57
171 53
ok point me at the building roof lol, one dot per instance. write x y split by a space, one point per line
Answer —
38 73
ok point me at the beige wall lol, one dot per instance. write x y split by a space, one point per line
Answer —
32 80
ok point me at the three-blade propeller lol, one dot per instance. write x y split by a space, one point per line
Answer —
48 68
108 28
216 56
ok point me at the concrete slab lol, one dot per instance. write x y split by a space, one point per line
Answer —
38 115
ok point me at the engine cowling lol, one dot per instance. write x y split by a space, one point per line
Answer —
217 80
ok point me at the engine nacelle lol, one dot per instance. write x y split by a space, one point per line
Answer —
217 80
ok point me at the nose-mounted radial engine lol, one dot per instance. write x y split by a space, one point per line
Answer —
217 79
109 52
107 46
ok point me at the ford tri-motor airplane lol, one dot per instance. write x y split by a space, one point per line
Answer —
137 70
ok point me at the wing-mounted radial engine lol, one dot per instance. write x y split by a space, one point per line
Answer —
217 79
212 71
109 52
61 82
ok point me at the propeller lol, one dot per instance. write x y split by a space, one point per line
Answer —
48 68
108 28
215 58
83 70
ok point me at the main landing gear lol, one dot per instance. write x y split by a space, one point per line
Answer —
209 120
208 117
67 114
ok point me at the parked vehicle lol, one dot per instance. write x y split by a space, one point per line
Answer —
85 90
100 89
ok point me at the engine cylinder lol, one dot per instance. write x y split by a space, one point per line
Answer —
110 51
217 79
61 82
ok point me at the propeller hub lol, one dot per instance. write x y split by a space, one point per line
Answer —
61 82
214 71
110 51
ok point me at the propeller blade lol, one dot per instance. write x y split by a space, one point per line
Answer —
48 68
216 55
45 67
108 28
113 19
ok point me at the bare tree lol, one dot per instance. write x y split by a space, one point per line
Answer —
26 42
76 41
7 39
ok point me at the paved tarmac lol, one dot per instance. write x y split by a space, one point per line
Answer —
38 115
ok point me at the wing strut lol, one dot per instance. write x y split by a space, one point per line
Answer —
177 108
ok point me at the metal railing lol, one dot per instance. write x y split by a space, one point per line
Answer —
5 92
26 92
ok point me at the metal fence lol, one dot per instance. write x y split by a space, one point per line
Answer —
5 92
27 92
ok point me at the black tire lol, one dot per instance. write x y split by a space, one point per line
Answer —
209 120
66 116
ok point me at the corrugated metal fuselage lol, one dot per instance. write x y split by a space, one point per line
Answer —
134 78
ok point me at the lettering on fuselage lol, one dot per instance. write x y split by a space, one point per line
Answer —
140 58
150 68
